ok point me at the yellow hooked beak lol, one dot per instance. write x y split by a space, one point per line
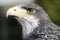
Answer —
16 11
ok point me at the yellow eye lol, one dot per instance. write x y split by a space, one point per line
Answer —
30 11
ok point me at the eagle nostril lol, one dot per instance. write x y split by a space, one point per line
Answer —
14 9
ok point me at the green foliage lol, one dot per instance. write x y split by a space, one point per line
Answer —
52 7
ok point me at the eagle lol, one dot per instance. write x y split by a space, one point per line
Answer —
36 24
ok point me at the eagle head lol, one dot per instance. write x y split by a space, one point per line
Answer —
30 16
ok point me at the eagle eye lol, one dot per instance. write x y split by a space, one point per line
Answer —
29 10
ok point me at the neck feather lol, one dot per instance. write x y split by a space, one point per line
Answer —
28 25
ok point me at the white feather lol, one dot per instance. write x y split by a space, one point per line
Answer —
29 25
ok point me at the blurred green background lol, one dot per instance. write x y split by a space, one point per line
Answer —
52 7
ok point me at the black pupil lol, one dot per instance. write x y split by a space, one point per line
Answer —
28 9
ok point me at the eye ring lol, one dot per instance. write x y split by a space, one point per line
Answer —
31 11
